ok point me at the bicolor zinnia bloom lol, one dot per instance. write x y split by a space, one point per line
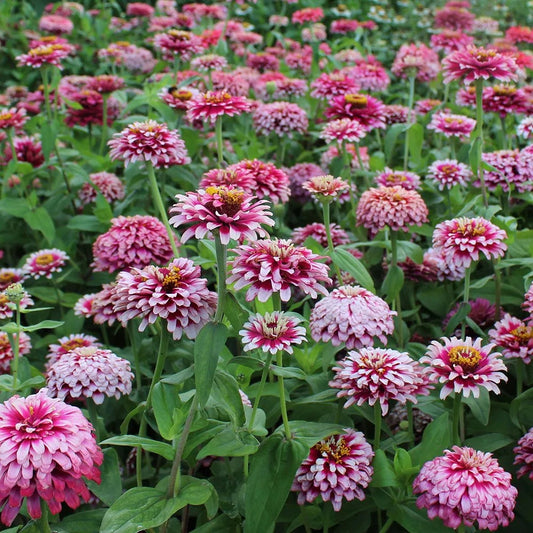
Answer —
133 241
416 60
504 100
513 337
68 343
317 231
298 175
337 468
343 130
149 141
11 275
44 263
446 173
175 293
209 62
461 240
395 207
525 127
46 54
12 118
325 187
272 332
524 455
379 375
99 306
211 105
369 111
370 75
328 85
513 168
181 43
6 350
402 178
231 212
282 118
450 40
478 63
464 365
452 125
105 183
528 300
48 448
351 315
466 486
277 266
446 269
7 307
89 372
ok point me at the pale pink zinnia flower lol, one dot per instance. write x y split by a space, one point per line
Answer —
179 43
450 40
47 54
524 455
528 300
337 468
395 207
6 350
208 62
351 315
211 105
89 372
461 240
525 127
328 85
272 332
48 448
514 337
343 129
449 172
416 60
473 63
513 168
282 118
378 375
12 118
463 366
149 141
100 306
105 183
317 231
371 76
55 24
69 343
452 125
402 178
45 263
175 293
230 212
279 266
465 486
133 241
325 187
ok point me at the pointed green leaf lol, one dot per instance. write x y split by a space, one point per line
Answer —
346 261
150 445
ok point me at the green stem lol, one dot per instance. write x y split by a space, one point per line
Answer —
43 524
456 420
410 424
497 289
264 375
387 525
410 109
377 425
158 201
504 133
9 133
16 348
397 301
466 296
219 141
479 127
283 404
134 341
93 417
104 124
347 174
46 91
331 248
519 376
221 253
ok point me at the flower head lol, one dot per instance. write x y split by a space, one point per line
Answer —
45 54
402 178
325 188
7 304
416 60
48 447
272 332
464 366
181 43
279 266
211 105
12 118
69 343
449 172
11 275
514 337
343 130
282 118
45 263
328 85
524 455
105 183
452 125
465 486
369 111
317 231
6 351
337 468
513 168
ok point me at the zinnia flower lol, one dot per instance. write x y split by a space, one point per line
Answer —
149 141
211 105
277 266
449 172
328 85
105 183
524 455
452 125
317 231
416 60
12 118
133 241
181 43
7 307
464 366
69 343
325 187
47 54
231 212
11 275
272 332
461 240
48 447
465 486
6 351
482 313
336 468
45 263
343 129
282 118
402 178
514 337
369 111
512 168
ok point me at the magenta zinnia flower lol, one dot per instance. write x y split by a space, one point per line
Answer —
402 178
512 169
149 141
449 172
45 263
465 486
211 105
416 60
105 183
133 241
277 266
272 332
46 54
514 337
524 455
231 212
452 125
464 366
69 343
351 315
369 111
317 231
48 447
6 350
336 468
343 129
461 240
282 118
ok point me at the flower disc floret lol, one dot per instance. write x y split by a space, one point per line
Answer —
45 262
213 104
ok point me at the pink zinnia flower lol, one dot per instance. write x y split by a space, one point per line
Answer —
465 486
528 300
55 24
378 375
105 83
416 60
28 149
464 366
452 125
425 106
397 114
209 62
89 372
317 231
272 332
12 118
336 468
446 269
525 128
351 315
482 312
48 447
327 85
105 183
395 207
45 263
504 100
343 129
133 241
277 266
282 118
231 212
450 40
101 305
449 172
47 54
461 240
69 343
11 275
211 105
325 187
6 351
371 76
454 18
149 141
524 455
7 307
514 337
369 111
139 9
175 293
472 63
298 175
512 168
308 14
402 178
181 43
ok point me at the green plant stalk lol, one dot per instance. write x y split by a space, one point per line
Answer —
519 376
159 205
9 133
377 425
46 91
219 141
43 524
16 348
504 133
221 253
282 400
132 333
387 525
410 424
497 289
410 109
347 174
479 127
326 214
457 433
104 124
93 417
64 176
466 296
397 302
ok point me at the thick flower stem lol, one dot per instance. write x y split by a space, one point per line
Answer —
43 524
331 248
158 201
398 303
347 174
283 404
16 348
386 526
104 124
410 424
377 425
497 289
479 127
221 253
466 296
456 421
519 376
46 91
410 108
219 141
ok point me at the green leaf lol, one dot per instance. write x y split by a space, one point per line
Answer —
225 394
384 475
402 461
138 409
110 488
236 314
415 521
391 137
102 210
16 207
247 361
81 522
39 219
310 433
208 345
272 472
393 282
474 154
45 324
288 372
45 294
520 408
154 446
415 138
480 407
221 524
437 437
86 223
489 442
346 261
48 138
230 443
411 250
456 319
166 405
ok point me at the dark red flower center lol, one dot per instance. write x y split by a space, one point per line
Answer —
172 279
231 200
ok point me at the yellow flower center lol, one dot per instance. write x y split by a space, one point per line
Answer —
219 98
3 299
7 278
451 120
232 199
123 43
357 100
44 259
523 334
180 94
335 450
172 279
448 169
483 55
73 344
395 178
6 115
502 90
466 357
180 35
471 228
